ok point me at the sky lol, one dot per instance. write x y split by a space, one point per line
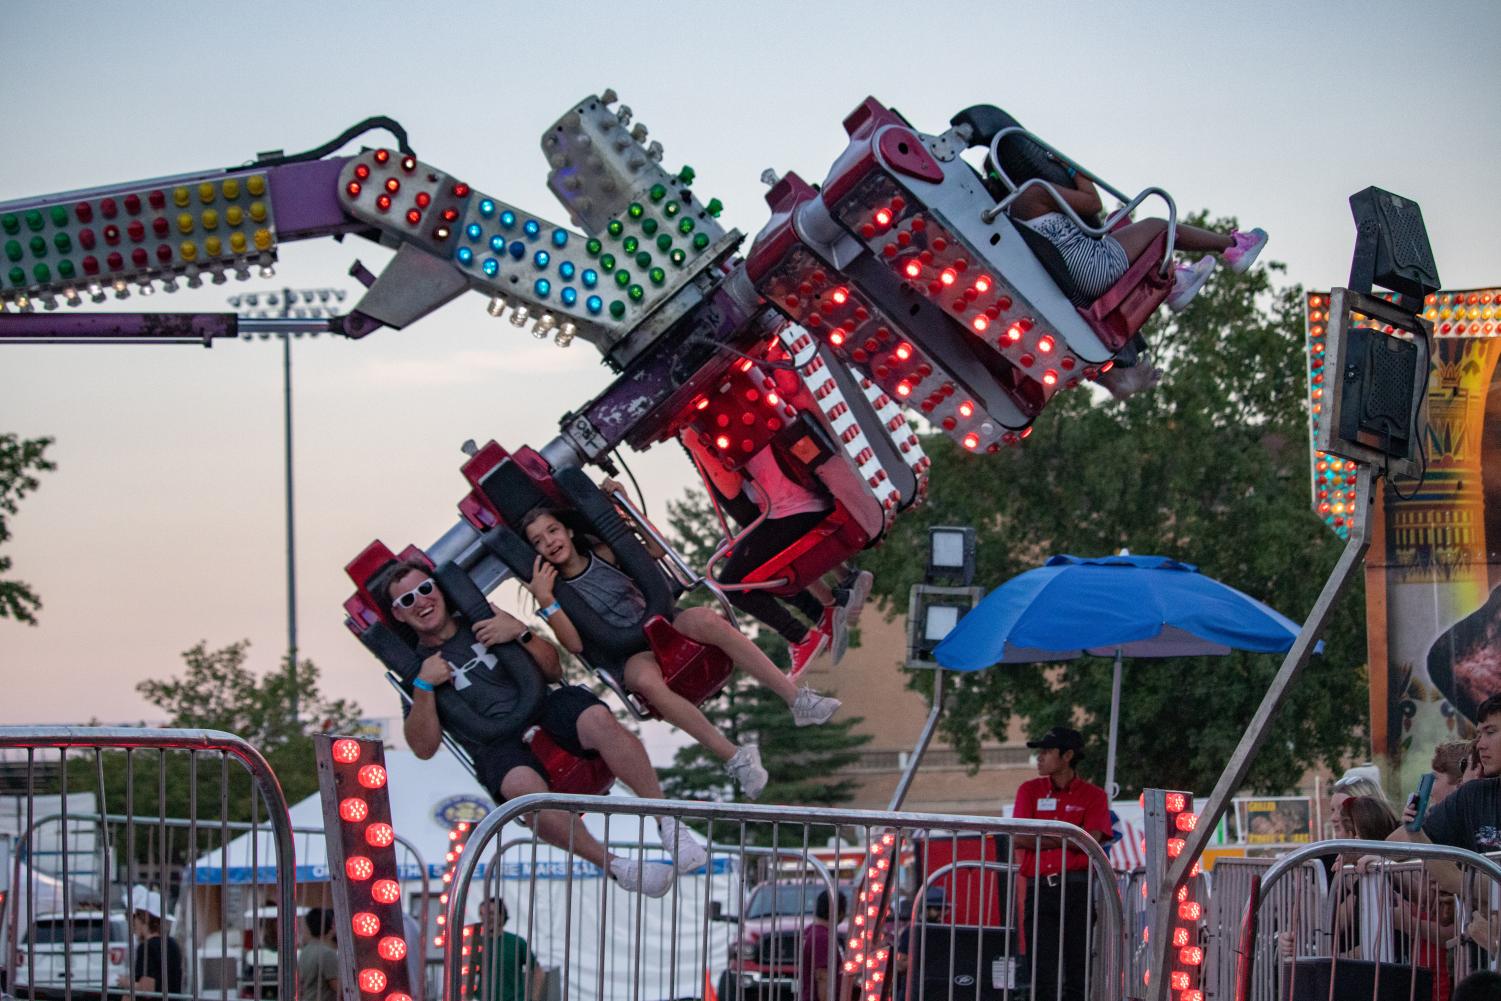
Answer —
163 524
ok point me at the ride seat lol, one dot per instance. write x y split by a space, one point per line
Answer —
1125 308
394 645
505 490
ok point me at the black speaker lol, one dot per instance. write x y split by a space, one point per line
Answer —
1319 979
967 963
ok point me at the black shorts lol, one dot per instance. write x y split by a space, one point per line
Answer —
558 716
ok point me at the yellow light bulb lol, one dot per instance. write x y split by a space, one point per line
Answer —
231 189
213 246
256 184
210 219
185 222
181 197
206 192
258 211
262 239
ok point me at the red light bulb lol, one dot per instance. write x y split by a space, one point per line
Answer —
392 948
383 202
904 351
913 269
393 185
1044 344
980 322
372 981
966 409
982 284
971 441
353 188
358 867
722 442
840 296
382 155
380 836
948 276
385 891
365 924
372 776
883 217
346 751
354 810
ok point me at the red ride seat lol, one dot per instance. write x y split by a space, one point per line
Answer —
568 773
692 670
1117 315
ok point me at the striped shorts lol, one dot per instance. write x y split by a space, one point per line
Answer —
1094 265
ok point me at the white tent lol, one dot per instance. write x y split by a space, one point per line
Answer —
569 913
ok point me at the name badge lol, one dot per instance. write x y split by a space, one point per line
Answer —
1047 804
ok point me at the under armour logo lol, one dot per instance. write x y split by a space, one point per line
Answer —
481 656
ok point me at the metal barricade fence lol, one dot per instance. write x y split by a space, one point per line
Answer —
1296 901
136 812
766 865
1383 929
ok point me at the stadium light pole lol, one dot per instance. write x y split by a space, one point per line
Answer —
287 314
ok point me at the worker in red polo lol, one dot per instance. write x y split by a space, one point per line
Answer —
1056 915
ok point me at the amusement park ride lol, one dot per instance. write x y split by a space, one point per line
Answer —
898 287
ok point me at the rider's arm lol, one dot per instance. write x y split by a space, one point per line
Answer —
423 732
546 656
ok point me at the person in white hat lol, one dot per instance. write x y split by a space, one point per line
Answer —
154 950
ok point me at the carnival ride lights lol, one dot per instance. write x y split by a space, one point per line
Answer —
352 782
1186 955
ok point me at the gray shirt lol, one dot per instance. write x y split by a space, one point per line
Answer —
610 592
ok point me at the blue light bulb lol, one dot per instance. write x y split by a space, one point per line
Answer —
491 266
473 231
498 244
542 287
486 207
518 250
591 278
540 258
532 227
465 255
508 218
570 296
595 304
566 269
560 238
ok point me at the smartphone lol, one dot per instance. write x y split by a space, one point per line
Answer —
1425 787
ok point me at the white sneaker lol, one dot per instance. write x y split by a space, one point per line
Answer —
1124 383
839 637
809 707
682 844
859 589
1188 280
650 878
745 768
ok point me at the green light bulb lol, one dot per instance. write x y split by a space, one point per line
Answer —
59 215
617 309
657 192
715 207
648 226
700 241
34 220
65 269
13 251
664 243
643 260
630 244
593 247
679 256
671 209
63 243
687 174
657 276
607 262
637 293
615 228
18 275
622 278
43 273
685 225
635 210
38 247
10 223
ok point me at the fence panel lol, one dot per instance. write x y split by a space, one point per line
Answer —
114 828
745 924
1393 926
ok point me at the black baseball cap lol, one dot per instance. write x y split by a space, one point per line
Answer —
1061 738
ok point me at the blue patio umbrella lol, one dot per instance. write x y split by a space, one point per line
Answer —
1120 606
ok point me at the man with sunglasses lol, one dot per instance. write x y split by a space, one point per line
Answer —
456 653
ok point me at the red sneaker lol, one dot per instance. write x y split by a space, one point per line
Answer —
803 653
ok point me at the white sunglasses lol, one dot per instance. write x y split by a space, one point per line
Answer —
410 598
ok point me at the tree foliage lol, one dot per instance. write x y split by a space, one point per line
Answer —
1211 467
20 460
217 690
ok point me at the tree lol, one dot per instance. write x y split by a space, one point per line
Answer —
217 691
20 459
799 760
1210 467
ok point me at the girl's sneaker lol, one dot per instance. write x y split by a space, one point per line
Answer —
1187 282
1242 254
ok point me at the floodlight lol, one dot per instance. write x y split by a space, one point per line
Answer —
1391 246
932 614
951 554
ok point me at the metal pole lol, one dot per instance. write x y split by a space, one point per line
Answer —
1115 724
286 377
923 740
1256 731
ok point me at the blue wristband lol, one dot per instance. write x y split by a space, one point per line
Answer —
550 611
422 686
